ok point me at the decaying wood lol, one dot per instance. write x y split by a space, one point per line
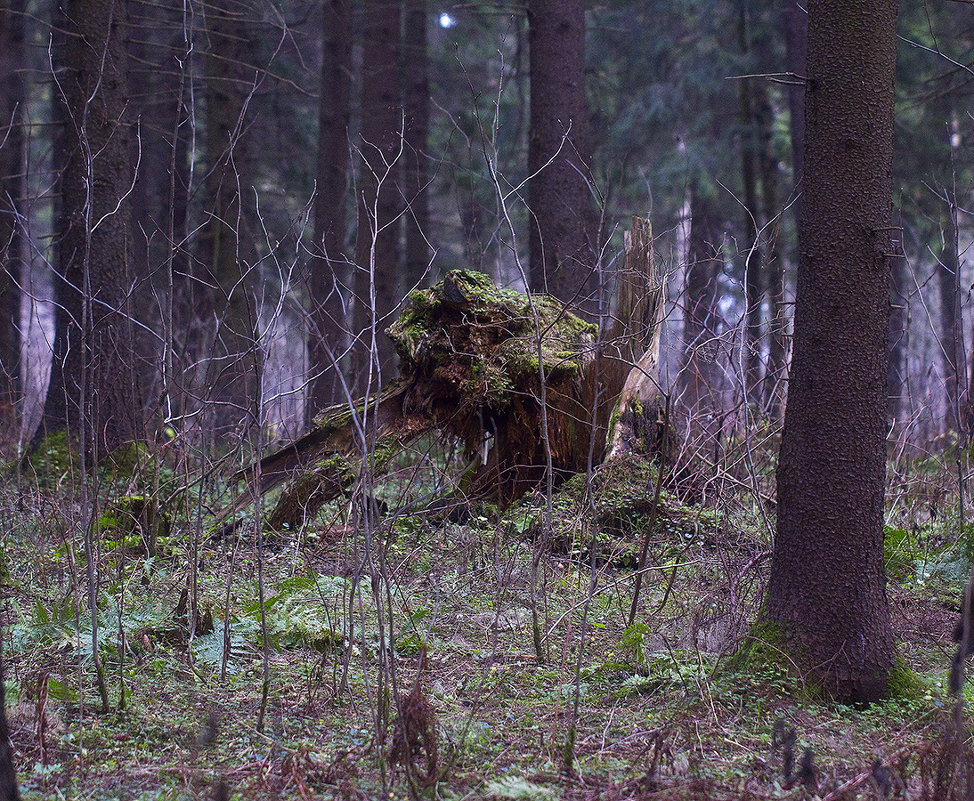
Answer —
472 360
642 296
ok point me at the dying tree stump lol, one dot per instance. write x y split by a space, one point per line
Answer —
476 361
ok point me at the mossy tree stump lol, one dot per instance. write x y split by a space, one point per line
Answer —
510 377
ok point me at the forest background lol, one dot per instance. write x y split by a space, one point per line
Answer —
209 215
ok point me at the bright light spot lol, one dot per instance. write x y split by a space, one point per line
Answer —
446 21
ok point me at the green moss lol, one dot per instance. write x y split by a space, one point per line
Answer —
334 463
483 339
54 459
904 683
136 521
129 457
763 651
4 566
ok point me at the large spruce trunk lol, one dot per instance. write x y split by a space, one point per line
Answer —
562 229
94 375
828 586
330 275
228 258
12 197
379 203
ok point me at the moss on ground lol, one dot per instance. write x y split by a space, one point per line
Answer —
55 459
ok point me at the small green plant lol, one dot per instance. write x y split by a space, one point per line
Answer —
632 644
901 553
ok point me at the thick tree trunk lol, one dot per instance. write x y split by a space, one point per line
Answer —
330 275
417 103
12 224
828 588
377 238
228 257
562 229
95 377
158 198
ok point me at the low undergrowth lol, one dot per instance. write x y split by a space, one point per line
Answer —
451 654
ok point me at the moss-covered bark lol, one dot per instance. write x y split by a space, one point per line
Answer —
475 362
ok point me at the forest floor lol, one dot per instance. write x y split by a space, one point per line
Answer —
492 636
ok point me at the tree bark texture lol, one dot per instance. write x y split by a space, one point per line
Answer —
828 587
631 379
563 232
95 373
379 203
951 320
897 387
329 269
8 770
12 183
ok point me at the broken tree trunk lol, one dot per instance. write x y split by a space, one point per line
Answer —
636 418
473 360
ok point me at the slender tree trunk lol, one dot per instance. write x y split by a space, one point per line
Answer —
948 272
417 104
949 281
828 587
379 204
95 358
12 182
181 323
227 235
704 263
774 264
329 270
899 338
752 255
562 230
794 22
8 770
